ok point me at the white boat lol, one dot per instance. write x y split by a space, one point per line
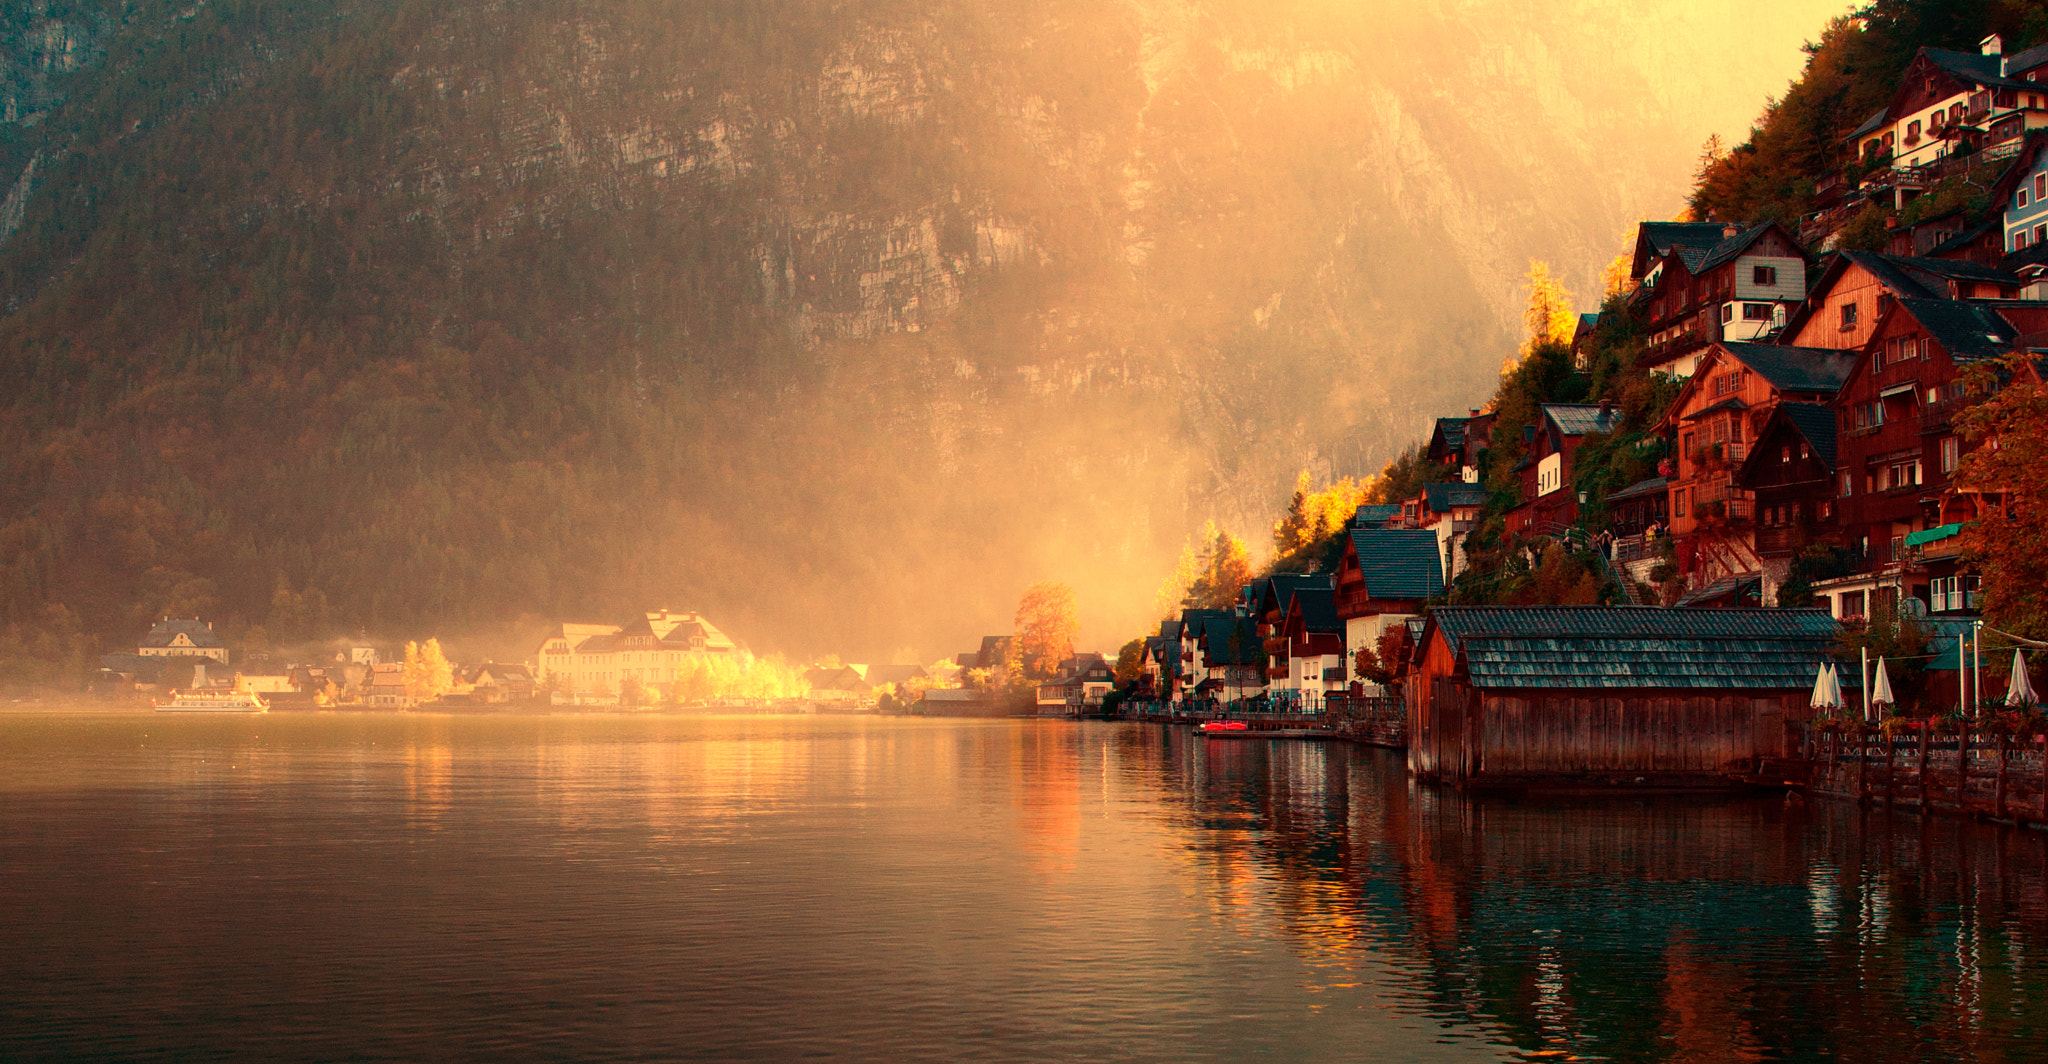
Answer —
214 702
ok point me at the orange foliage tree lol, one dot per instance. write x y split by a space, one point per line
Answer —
1046 627
2009 543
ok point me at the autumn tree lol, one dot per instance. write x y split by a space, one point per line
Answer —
1130 663
1046 626
1224 571
428 673
2009 544
1315 515
1548 316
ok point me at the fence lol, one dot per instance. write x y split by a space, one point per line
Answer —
1994 774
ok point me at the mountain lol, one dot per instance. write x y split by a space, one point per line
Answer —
839 323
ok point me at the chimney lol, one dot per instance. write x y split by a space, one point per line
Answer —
1606 409
1992 45
1474 410
1729 230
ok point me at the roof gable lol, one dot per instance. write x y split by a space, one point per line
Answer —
1796 369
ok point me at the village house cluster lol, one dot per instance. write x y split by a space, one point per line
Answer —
1817 417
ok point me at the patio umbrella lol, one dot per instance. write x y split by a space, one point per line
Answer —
1827 691
2020 692
1881 687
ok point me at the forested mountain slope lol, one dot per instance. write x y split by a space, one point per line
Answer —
839 322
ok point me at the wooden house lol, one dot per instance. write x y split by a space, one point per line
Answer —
1621 696
1742 287
1713 422
1384 578
1312 648
1455 444
1549 500
1266 602
1229 659
1790 473
1857 287
1949 102
1451 511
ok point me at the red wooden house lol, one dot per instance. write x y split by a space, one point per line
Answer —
1549 502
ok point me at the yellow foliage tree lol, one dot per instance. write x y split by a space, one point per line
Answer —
1225 568
428 673
1548 316
1313 516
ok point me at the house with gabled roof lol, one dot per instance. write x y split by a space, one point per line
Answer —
1385 577
1193 628
1896 442
1609 696
1741 287
1229 659
1715 418
1948 101
1311 650
1266 602
1455 444
1857 287
179 637
1451 511
1790 472
1549 502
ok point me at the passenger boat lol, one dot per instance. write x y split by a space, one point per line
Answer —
214 702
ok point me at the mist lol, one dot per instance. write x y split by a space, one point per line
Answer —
840 325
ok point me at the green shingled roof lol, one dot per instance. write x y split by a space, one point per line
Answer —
1401 563
1637 646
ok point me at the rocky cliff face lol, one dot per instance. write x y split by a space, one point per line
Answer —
839 322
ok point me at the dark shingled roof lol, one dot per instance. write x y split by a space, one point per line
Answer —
1596 647
1797 369
1577 419
1663 236
1373 514
1727 250
1869 124
1726 588
1399 563
1318 607
1966 329
1444 496
1928 270
1816 422
167 631
1231 641
1975 66
1452 429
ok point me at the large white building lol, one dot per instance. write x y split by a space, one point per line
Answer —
598 658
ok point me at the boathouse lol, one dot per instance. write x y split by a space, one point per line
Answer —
1506 696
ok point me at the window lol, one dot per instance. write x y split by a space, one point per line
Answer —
1756 312
1827 509
1951 454
1848 483
1869 415
2040 186
1804 454
1913 132
1764 275
1785 454
1898 549
2040 233
1848 315
2019 239
1956 112
1727 312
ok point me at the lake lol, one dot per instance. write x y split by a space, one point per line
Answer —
299 887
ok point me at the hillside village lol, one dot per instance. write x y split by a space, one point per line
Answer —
1763 413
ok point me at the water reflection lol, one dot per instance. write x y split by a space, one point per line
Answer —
1669 929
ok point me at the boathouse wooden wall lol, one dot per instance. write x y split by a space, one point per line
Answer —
1533 737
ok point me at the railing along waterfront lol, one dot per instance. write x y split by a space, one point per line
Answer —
1381 720
1993 771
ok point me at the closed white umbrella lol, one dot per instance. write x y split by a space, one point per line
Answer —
1881 687
2020 692
1827 692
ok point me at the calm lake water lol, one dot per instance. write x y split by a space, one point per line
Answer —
327 887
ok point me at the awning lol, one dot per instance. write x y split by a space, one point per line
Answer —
1897 389
1934 535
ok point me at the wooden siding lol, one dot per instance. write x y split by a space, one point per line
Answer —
1530 737
1823 328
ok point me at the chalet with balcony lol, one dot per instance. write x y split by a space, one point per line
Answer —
1549 502
1266 600
1384 578
1742 287
1312 646
1717 414
1857 287
1948 101
1790 472
1896 443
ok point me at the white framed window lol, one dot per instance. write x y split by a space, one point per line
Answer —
1951 454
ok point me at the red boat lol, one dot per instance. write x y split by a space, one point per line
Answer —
1222 725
